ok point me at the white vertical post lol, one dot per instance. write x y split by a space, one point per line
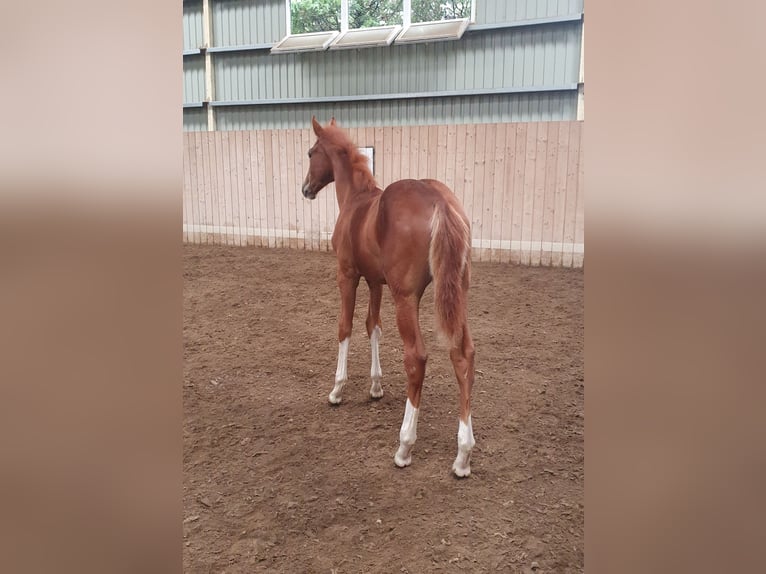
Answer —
406 13
473 11
581 78
343 15
207 25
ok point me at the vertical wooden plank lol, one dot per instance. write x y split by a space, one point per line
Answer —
423 152
226 196
405 154
186 195
508 191
498 188
450 139
241 214
233 208
229 168
440 151
529 194
385 157
198 196
219 218
300 209
477 190
192 213
378 147
518 192
571 202
471 142
278 140
207 151
309 210
207 178
578 257
486 191
247 155
243 187
259 197
414 155
550 191
433 153
396 155
560 195
268 190
539 194
461 132
292 189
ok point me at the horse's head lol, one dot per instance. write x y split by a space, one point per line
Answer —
320 171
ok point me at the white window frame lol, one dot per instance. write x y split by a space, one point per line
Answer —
396 31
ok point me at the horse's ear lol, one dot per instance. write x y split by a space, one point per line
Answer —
316 126
332 121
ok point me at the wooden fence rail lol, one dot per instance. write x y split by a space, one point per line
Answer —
520 183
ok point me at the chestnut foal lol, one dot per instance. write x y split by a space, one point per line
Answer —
411 233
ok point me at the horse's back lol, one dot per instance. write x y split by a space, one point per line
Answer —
404 228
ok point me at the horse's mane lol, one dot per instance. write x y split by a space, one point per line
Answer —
361 171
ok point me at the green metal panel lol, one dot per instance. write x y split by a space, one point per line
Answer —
194 79
195 120
192 24
244 22
548 106
522 57
496 11
527 57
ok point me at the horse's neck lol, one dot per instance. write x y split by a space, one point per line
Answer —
347 182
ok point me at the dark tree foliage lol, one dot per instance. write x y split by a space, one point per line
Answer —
322 15
431 10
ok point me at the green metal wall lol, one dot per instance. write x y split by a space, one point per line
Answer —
531 72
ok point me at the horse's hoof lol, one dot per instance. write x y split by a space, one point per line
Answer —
334 400
401 462
403 456
376 390
461 472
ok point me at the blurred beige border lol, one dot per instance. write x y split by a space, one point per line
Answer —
674 287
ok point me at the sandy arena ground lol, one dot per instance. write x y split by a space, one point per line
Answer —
278 480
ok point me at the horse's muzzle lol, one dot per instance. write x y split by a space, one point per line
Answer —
307 191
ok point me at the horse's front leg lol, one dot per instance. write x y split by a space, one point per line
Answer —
347 285
373 331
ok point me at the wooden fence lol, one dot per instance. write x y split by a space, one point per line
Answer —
520 183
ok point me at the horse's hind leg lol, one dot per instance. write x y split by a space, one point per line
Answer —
415 366
462 356
373 331
347 286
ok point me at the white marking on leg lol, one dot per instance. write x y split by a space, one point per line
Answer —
465 443
376 390
407 435
341 375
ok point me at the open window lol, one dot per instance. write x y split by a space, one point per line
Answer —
339 24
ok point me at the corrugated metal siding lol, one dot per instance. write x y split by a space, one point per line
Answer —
195 120
242 22
194 79
192 22
547 106
528 57
495 11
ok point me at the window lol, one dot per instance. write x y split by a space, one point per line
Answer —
360 23
434 10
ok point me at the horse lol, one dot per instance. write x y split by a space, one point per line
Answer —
406 236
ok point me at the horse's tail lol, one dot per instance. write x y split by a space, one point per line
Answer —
449 258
